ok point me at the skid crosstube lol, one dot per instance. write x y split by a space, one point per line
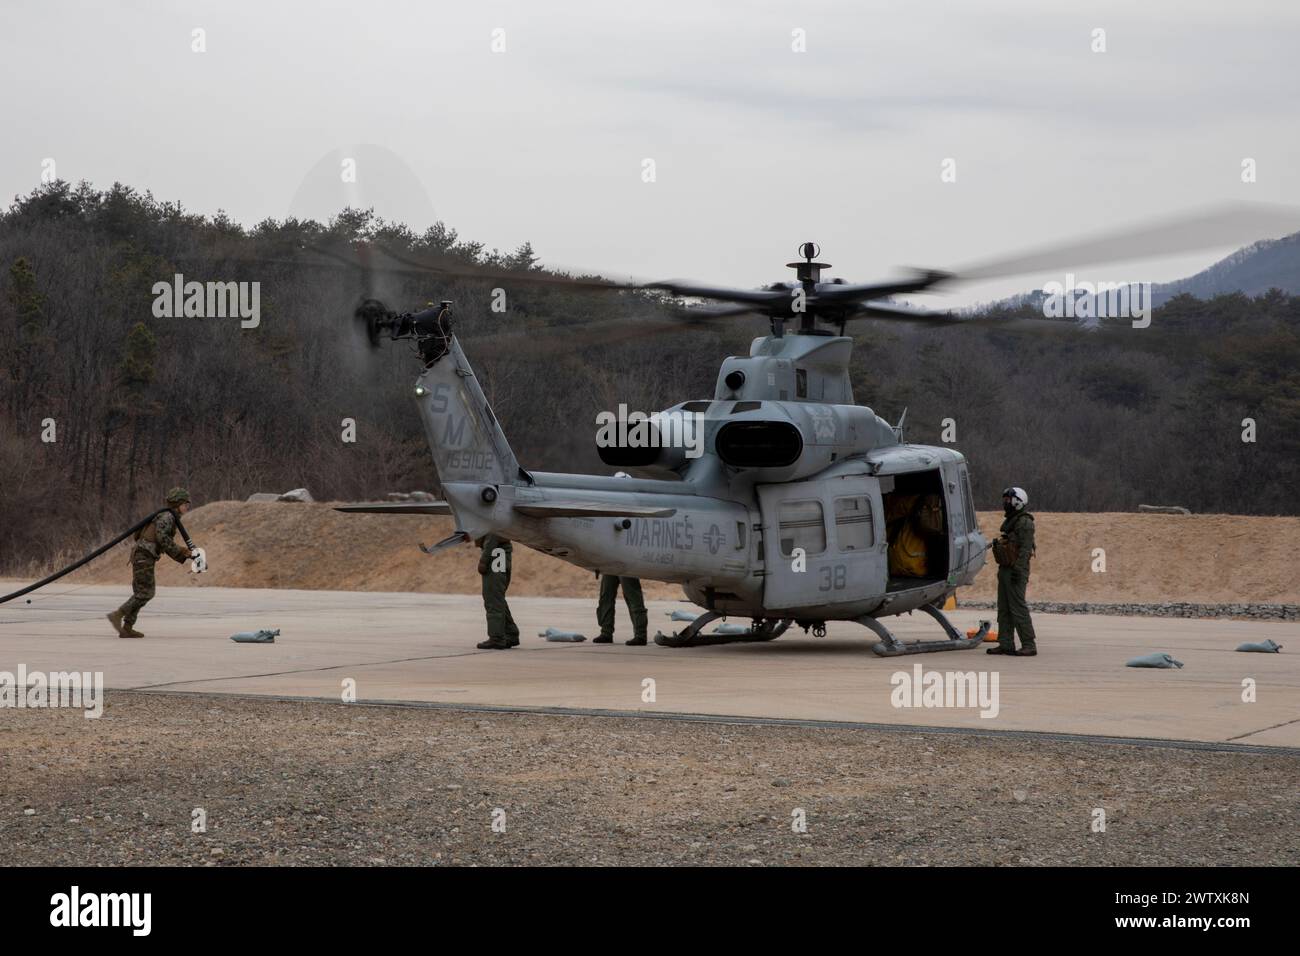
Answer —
890 646
690 635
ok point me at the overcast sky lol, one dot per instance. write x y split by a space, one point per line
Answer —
756 147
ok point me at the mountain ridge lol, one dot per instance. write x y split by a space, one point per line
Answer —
1251 270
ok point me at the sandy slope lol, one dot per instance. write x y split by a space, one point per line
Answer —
1149 558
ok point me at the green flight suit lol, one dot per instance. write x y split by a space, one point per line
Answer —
1013 581
609 584
500 624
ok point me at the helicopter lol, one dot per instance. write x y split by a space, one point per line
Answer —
796 506
783 515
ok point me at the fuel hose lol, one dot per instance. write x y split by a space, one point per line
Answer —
98 551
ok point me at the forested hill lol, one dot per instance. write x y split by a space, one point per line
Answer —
137 402
1254 270
1270 264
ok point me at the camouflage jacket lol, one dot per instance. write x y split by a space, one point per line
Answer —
159 537
1019 527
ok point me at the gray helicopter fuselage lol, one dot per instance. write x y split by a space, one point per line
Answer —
779 512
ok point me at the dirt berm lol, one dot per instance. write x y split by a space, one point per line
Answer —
1149 558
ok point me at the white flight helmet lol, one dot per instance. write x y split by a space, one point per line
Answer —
1019 497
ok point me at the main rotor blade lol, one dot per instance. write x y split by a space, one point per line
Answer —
991 323
564 339
755 297
881 310
450 268
838 293
332 259
1236 223
691 314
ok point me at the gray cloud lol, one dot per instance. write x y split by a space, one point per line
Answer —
756 147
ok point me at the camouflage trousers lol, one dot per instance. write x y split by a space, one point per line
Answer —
142 587
500 624
609 584
1013 609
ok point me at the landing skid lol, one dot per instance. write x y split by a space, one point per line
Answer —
690 635
890 646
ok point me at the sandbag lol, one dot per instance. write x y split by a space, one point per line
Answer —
255 637
1154 660
561 637
1262 647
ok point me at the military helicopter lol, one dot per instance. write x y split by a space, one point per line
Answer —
784 515
799 506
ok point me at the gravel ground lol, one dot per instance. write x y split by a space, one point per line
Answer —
1263 612
317 783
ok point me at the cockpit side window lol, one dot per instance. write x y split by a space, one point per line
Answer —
802 525
853 525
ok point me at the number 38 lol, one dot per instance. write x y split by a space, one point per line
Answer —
834 577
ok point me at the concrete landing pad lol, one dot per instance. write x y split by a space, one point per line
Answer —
420 647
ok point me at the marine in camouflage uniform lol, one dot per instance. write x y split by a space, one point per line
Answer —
503 633
1013 580
609 585
151 542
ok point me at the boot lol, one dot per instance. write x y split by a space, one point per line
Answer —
131 632
1030 651
638 641
1008 651
603 639
493 644
513 640
115 618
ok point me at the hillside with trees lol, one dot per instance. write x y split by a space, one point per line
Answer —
1087 421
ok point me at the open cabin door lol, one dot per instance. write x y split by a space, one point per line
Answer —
839 525
968 542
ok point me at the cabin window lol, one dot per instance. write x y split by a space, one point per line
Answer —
853 526
801 383
968 502
803 525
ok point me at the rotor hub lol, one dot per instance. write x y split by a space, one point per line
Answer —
809 272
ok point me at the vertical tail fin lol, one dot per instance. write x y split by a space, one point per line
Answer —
466 440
